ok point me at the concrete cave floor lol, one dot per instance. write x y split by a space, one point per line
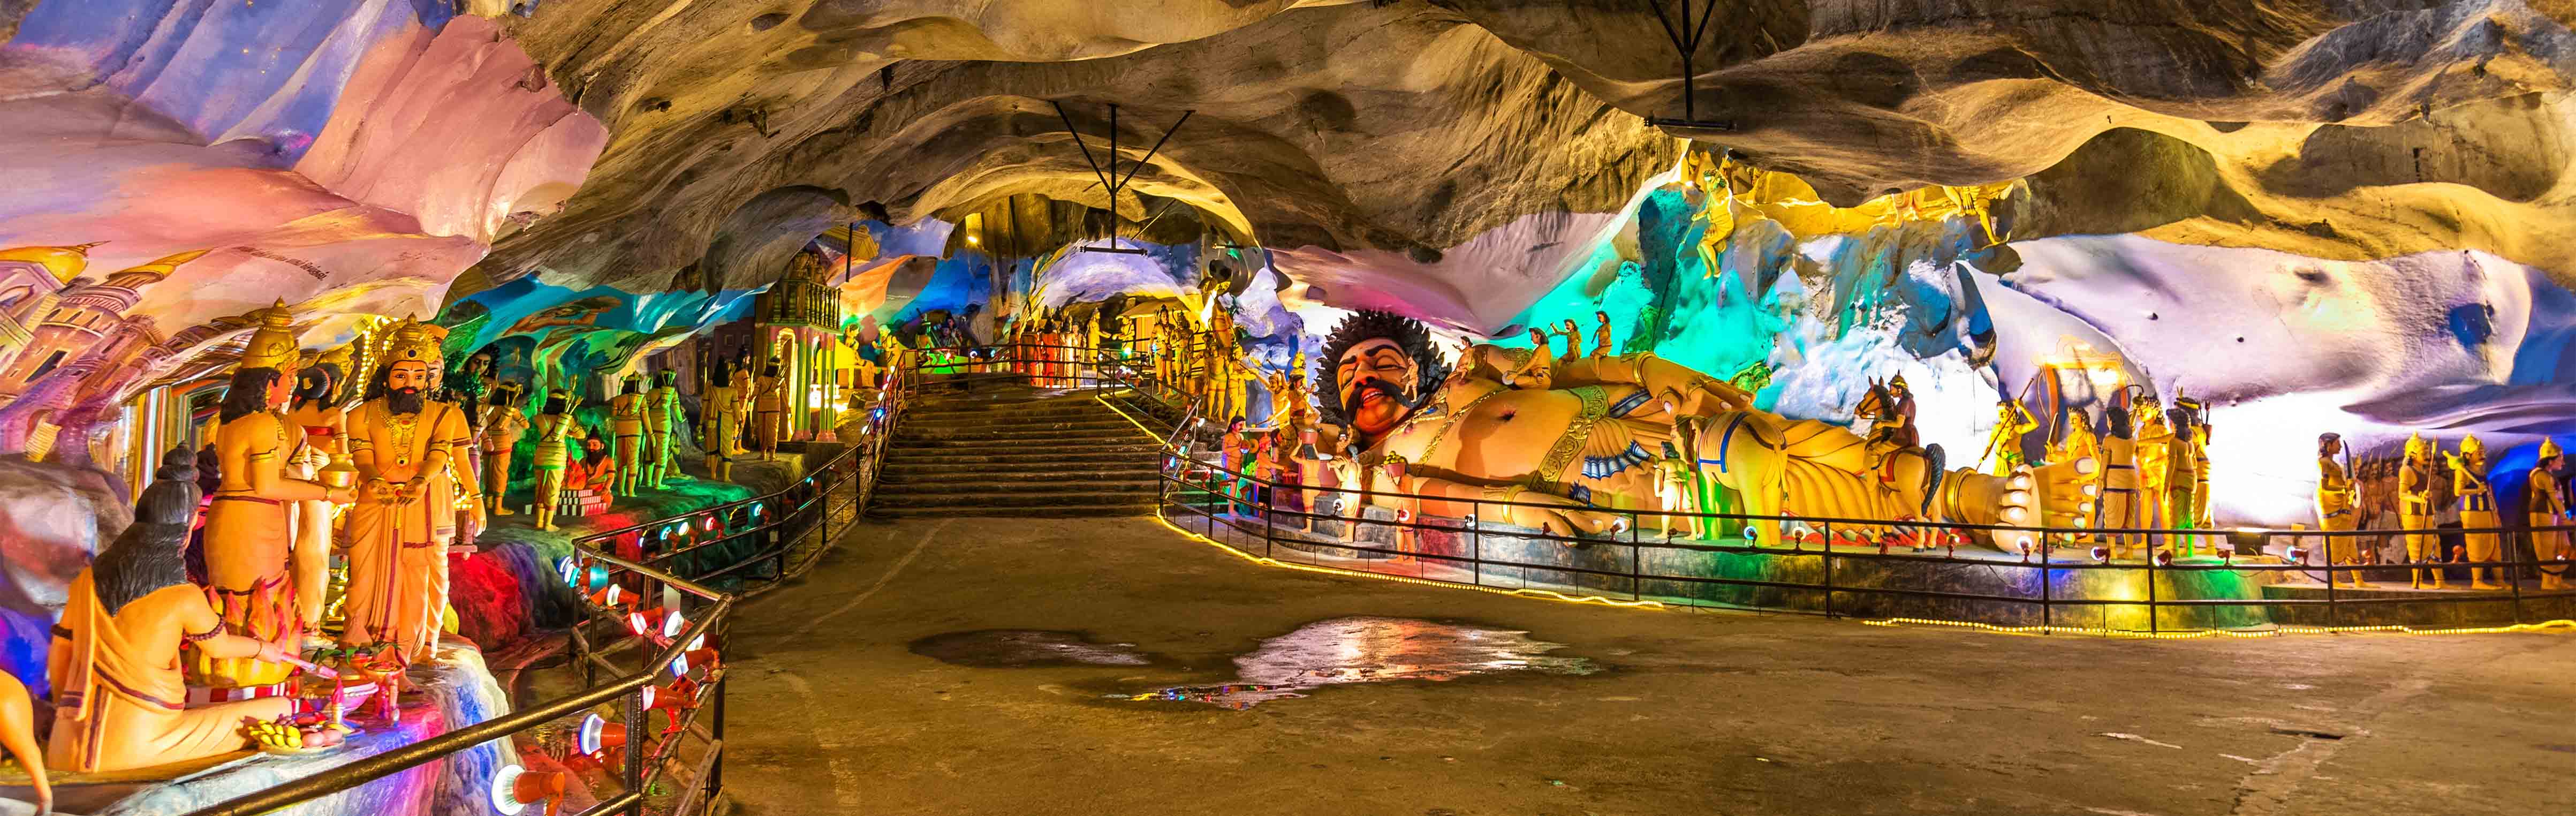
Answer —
832 711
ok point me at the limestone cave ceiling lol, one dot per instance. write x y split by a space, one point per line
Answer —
1377 135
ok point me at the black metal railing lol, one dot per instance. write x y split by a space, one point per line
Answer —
1854 562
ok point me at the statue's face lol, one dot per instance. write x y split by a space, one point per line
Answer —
281 388
1375 380
408 377
2333 446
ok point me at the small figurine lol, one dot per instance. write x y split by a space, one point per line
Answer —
1601 335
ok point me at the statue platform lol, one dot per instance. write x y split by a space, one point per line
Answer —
452 691
1980 584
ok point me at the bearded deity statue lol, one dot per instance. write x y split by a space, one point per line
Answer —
1464 439
399 531
251 534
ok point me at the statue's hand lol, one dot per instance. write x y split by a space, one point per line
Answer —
1557 515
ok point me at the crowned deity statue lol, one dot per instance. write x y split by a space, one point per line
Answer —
2415 511
626 426
662 418
251 535
1554 458
2477 510
399 532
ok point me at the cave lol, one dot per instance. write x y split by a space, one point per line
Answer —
457 346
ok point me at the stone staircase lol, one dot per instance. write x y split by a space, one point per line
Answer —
1005 449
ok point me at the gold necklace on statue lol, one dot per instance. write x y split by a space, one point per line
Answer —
403 427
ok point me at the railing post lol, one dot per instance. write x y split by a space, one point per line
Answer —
1636 561
715 769
2151 586
1475 541
636 744
2334 614
2047 609
1829 568
2513 576
1268 536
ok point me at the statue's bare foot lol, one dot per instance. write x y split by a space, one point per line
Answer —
499 510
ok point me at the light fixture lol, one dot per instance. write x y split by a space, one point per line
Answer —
515 788
598 734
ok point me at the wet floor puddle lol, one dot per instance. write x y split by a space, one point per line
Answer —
1371 650
1019 648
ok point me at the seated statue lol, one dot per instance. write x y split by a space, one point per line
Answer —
119 699
1583 442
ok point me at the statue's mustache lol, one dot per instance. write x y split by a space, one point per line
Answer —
1360 389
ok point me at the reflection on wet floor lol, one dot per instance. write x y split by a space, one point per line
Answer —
1015 648
1372 650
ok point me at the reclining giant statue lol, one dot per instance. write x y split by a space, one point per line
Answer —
1564 448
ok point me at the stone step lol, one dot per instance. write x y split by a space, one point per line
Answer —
917 456
1029 433
1006 422
912 448
1139 499
1053 511
928 472
1120 484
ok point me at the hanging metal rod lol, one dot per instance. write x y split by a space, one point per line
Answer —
1689 48
1108 175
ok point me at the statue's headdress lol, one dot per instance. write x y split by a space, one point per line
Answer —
412 341
2549 447
2417 446
272 345
2471 447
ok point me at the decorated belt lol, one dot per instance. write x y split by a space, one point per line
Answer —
222 497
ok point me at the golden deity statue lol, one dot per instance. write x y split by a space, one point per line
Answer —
2415 511
769 408
626 426
662 418
720 422
251 533
2338 500
555 429
2547 508
398 533
2477 510
504 424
